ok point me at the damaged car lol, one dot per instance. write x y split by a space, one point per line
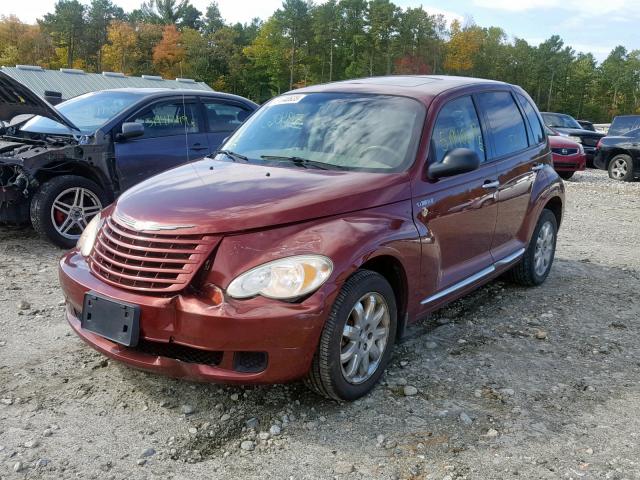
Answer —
59 166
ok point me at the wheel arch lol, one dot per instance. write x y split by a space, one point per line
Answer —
556 206
57 169
614 153
392 269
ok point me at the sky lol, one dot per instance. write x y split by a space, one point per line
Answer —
595 26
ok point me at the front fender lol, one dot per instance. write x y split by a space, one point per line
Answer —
548 187
349 240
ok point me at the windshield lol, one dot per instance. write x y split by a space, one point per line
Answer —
560 120
337 130
622 125
88 112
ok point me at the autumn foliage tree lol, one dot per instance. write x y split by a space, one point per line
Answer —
169 53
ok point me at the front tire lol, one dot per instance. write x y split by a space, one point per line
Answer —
621 168
535 265
63 206
357 339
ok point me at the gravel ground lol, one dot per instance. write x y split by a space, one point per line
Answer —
506 383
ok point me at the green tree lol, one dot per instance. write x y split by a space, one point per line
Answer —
66 27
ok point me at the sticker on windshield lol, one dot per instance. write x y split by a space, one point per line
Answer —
286 99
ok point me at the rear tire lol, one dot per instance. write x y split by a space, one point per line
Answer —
566 175
62 207
336 374
535 265
621 168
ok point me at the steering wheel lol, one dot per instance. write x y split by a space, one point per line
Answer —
386 150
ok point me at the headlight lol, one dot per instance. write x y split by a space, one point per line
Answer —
575 139
284 279
88 237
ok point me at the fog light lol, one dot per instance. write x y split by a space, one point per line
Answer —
213 293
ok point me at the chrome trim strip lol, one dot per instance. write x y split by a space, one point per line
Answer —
508 259
475 277
467 281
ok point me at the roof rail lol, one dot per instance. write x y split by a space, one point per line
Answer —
185 80
152 77
113 74
36 68
75 71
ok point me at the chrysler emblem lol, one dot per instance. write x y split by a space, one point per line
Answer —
143 225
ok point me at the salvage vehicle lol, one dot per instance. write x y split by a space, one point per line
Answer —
336 217
620 155
568 156
623 124
568 126
60 167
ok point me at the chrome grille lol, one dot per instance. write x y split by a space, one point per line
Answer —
149 262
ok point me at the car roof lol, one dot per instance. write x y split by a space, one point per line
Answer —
171 92
420 87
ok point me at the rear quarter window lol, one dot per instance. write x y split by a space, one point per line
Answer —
532 118
505 123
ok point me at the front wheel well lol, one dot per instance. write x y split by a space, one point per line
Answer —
555 206
392 270
58 169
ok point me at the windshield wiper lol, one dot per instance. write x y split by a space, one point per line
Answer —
232 155
303 162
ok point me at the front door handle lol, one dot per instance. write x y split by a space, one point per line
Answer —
537 167
197 147
489 184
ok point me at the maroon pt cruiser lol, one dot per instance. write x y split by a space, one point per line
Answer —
335 217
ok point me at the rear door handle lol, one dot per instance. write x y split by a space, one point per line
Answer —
537 167
491 184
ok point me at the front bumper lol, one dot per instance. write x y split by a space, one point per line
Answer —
287 332
569 163
14 206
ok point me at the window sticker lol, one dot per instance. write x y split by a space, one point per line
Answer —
285 100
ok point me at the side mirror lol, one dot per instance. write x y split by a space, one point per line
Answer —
130 130
459 160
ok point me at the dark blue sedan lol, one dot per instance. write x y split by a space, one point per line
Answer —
60 167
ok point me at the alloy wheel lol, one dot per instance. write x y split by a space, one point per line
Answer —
619 169
72 210
364 338
545 245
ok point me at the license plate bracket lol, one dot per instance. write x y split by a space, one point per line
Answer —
115 320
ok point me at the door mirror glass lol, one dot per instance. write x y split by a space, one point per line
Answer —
459 160
130 130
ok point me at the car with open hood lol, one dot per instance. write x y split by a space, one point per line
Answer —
59 166
568 126
327 225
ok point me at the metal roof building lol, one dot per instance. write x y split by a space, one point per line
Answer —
72 82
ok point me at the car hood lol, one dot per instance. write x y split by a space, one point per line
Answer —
213 196
556 141
578 132
17 99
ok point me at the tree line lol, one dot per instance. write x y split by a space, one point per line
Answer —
303 43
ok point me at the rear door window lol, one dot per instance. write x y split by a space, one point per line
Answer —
507 131
532 117
224 117
457 126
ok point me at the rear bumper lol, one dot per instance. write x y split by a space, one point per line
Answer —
287 332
